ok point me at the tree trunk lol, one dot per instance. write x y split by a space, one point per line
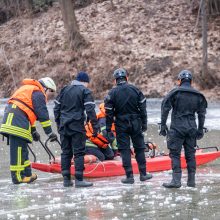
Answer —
214 7
29 5
204 39
70 23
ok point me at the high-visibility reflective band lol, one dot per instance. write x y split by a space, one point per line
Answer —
57 102
27 163
108 108
16 168
90 144
14 106
103 128
20 167
89 103
114 145
9 118
46 123
17 134
10 122
16 131
19 159
143 100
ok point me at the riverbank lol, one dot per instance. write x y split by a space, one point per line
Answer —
153 40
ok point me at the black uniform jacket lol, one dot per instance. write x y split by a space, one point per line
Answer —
125 102
69 109
184 101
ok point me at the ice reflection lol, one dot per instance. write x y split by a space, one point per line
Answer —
109 199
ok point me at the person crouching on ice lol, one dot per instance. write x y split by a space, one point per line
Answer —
69 109
126 106
102 146
184 101
25 106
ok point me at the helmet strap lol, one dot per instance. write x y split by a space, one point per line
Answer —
179 82
121 80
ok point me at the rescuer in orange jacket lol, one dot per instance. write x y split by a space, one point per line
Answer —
25 106
101 146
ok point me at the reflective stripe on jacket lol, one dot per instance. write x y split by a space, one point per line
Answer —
15 122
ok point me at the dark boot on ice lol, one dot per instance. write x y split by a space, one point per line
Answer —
145 177
175 182
67 182
191 180
82 183
129 179
79 182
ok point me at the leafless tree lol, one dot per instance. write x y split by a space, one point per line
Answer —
29 5
204 38
73 35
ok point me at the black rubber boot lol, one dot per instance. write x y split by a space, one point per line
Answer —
82 183
67 182
191 180
146 177
175 182
129 179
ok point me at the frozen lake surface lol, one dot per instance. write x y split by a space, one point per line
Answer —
109 199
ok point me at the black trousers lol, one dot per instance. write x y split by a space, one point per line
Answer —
101 153
175 142
73 145
20 165
124 132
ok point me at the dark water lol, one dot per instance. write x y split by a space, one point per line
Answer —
109 199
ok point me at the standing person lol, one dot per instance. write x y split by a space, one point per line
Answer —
25 106
69 109
128 105
184 101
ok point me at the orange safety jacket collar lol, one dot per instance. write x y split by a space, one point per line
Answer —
23 97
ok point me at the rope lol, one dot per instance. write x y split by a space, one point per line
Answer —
100 162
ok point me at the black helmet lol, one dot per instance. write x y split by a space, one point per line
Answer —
120 73
185 74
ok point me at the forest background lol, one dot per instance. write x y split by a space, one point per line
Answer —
152 39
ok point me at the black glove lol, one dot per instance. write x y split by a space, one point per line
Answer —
116 153
53 137
200 134
163 130
144 127
96 131
110 136
35 135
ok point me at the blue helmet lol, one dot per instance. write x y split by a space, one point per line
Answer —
120 73
185 74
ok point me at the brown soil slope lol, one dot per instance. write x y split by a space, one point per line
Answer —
153 39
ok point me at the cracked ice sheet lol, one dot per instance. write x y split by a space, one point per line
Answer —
109 199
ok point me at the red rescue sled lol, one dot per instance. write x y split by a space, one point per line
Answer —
114 168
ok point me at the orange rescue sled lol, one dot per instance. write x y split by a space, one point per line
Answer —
94 169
